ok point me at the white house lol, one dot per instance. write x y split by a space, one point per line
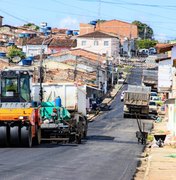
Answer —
100 42
164 75
168 69
35 45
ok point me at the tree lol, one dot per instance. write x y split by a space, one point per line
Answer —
144 31
14 52
32 26
145 43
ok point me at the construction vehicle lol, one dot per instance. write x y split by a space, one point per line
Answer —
136 100
19 119
59 125
62 112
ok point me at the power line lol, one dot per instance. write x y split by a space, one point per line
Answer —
15 17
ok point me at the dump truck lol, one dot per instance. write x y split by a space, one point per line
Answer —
136 100
20 123
150 78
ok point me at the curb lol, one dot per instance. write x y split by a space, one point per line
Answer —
110 101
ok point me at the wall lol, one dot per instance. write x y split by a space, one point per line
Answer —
173 56
111 49
164 74
33 50
55 49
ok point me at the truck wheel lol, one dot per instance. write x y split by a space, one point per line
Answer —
14 136
26 136
3 136
37 139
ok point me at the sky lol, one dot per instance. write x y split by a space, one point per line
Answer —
159 15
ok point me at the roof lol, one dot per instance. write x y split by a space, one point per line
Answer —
52 41
63 42
161 48
98 34
1 17
39 40
59 31
83 53
162 59
170 101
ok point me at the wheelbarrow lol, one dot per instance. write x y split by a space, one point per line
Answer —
160 138
141 135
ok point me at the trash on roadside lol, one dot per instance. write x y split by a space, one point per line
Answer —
160 138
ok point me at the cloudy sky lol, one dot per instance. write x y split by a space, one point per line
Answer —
160 16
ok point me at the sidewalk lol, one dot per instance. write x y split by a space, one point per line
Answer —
158 163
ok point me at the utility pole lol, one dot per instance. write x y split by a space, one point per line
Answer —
98 73
106 74
145 31
75 70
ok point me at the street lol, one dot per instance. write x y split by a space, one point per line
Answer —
110 152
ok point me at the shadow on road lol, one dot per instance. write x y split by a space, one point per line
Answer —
100 138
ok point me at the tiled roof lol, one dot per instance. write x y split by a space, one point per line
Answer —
53 41
38 41
83 53
59 31
162 48
63 42
99 34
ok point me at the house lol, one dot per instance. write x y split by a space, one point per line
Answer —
171 102
127 33
36 45
58 44
164 75
91 62
120 28
49 45
100 42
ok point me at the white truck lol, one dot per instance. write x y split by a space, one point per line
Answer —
136 100
73 96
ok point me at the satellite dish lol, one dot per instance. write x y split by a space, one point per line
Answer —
16 59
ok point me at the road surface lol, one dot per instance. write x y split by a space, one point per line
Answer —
110 152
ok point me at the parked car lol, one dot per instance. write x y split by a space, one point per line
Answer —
157 99
153 107
143 52
152 51
153 94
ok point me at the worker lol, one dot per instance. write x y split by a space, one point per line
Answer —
11 86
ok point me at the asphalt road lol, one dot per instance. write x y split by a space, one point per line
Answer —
111 151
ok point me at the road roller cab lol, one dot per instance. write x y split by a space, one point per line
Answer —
19 121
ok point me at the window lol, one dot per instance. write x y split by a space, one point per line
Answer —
25 88
95 43
9 86
83 43
106 43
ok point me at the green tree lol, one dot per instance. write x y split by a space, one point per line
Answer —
32 26
145 43
144 31
13 52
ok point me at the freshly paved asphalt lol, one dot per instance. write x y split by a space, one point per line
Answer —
110 152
